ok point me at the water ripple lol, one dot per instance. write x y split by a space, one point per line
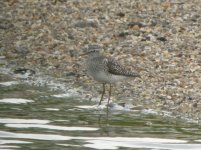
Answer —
15 100
16 121
111 142
52 127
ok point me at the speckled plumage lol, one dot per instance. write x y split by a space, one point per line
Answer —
106 70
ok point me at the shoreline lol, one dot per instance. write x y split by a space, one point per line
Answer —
160 40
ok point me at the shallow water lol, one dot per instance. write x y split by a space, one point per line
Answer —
35 117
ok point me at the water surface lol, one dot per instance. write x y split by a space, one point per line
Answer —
35 117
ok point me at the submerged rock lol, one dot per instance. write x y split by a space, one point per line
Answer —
23 71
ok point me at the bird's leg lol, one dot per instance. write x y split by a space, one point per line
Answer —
102 94
110 91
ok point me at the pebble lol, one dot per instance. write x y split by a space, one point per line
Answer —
84 24
23 71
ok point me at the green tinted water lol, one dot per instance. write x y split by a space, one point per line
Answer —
38 118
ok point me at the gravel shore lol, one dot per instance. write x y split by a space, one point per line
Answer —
161 39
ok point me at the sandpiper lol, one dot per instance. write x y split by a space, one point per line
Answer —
106 70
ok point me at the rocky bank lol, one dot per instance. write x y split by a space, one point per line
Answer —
161 39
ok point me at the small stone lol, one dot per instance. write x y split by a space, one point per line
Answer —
88 23
147 38
70 74
133 24
163 39
148 123
120 14
169 97
3 60
2 57
94 46
5 24
154 22
73 53
122 104
195 104
71 37
123 34
23 71
22 50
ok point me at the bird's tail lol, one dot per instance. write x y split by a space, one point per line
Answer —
132 74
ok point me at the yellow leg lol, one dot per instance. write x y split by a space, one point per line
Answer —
102 94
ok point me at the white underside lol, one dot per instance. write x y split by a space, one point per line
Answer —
107 78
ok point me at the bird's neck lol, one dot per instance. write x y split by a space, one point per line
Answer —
94 55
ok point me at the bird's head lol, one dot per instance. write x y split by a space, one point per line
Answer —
93 51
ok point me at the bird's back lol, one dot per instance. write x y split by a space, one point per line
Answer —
106 69
115 68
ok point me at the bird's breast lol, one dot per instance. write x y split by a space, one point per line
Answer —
98 70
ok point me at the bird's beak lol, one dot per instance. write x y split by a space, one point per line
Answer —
138 76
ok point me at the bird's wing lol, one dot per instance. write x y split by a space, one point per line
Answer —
115 68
